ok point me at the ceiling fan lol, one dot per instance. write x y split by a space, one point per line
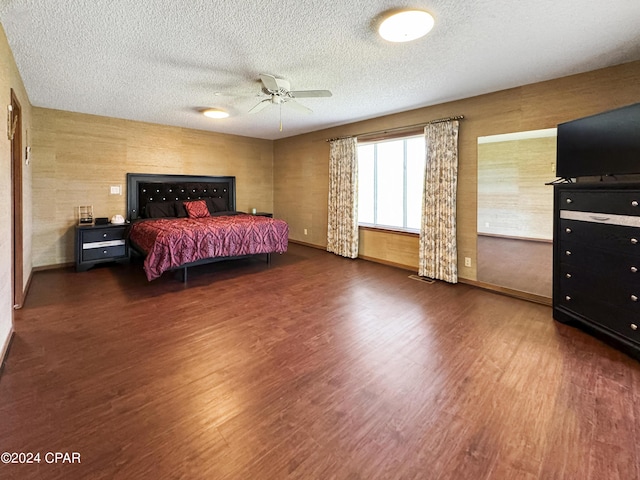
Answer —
279 93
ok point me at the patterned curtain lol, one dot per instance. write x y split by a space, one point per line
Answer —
342 231
438 247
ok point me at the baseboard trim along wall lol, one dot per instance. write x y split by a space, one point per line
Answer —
531 297
5 349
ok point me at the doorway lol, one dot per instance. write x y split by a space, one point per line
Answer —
515 211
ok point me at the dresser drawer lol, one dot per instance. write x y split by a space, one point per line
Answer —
620 322
620 239
604 262
622 202
607 289
104 253
103 234
617 276
629 328
600 294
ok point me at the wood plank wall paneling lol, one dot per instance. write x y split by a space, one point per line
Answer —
77 157
10 79
513 199
6 300
301 162
400 250
303 190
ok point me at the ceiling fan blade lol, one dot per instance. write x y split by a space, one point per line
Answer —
299 107
270 82
237 95
261 106
310 93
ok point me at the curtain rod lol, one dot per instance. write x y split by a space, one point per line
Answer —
397 129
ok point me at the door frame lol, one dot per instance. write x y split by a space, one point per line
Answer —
17 243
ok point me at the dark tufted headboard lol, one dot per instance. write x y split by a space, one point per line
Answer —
144 188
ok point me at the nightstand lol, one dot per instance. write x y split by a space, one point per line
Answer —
99 244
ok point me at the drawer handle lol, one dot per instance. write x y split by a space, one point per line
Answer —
104 235
634 203
634 241
569 200
634 269
568 230
568 275
634 298
634 326
105 252
567 298
567 253
599 219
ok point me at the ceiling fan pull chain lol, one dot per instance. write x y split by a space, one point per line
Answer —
280 116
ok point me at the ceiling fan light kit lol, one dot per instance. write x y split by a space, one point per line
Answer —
406 25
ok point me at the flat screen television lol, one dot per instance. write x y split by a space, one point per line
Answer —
604 144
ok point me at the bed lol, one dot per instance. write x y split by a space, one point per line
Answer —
180 221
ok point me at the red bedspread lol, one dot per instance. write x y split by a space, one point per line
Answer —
172 242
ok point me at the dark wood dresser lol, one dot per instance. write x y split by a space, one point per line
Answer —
596 259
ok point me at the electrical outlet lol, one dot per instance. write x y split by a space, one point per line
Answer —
467 261
305 231
115 190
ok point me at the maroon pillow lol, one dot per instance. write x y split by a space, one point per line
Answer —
197 209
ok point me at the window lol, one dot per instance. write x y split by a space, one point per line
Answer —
390 183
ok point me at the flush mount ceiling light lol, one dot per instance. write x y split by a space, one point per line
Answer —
215 113
406 26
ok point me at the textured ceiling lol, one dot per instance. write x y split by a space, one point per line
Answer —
162 61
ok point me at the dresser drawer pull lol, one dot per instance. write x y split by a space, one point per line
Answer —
634 241
634 269
104 235
634 326
599 219
567 298
634 298
568 230
568 275
634 203
567 253
105 252
569 200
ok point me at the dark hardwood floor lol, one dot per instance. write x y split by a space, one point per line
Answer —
318 367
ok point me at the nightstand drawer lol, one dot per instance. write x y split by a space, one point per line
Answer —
104 253
103 234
